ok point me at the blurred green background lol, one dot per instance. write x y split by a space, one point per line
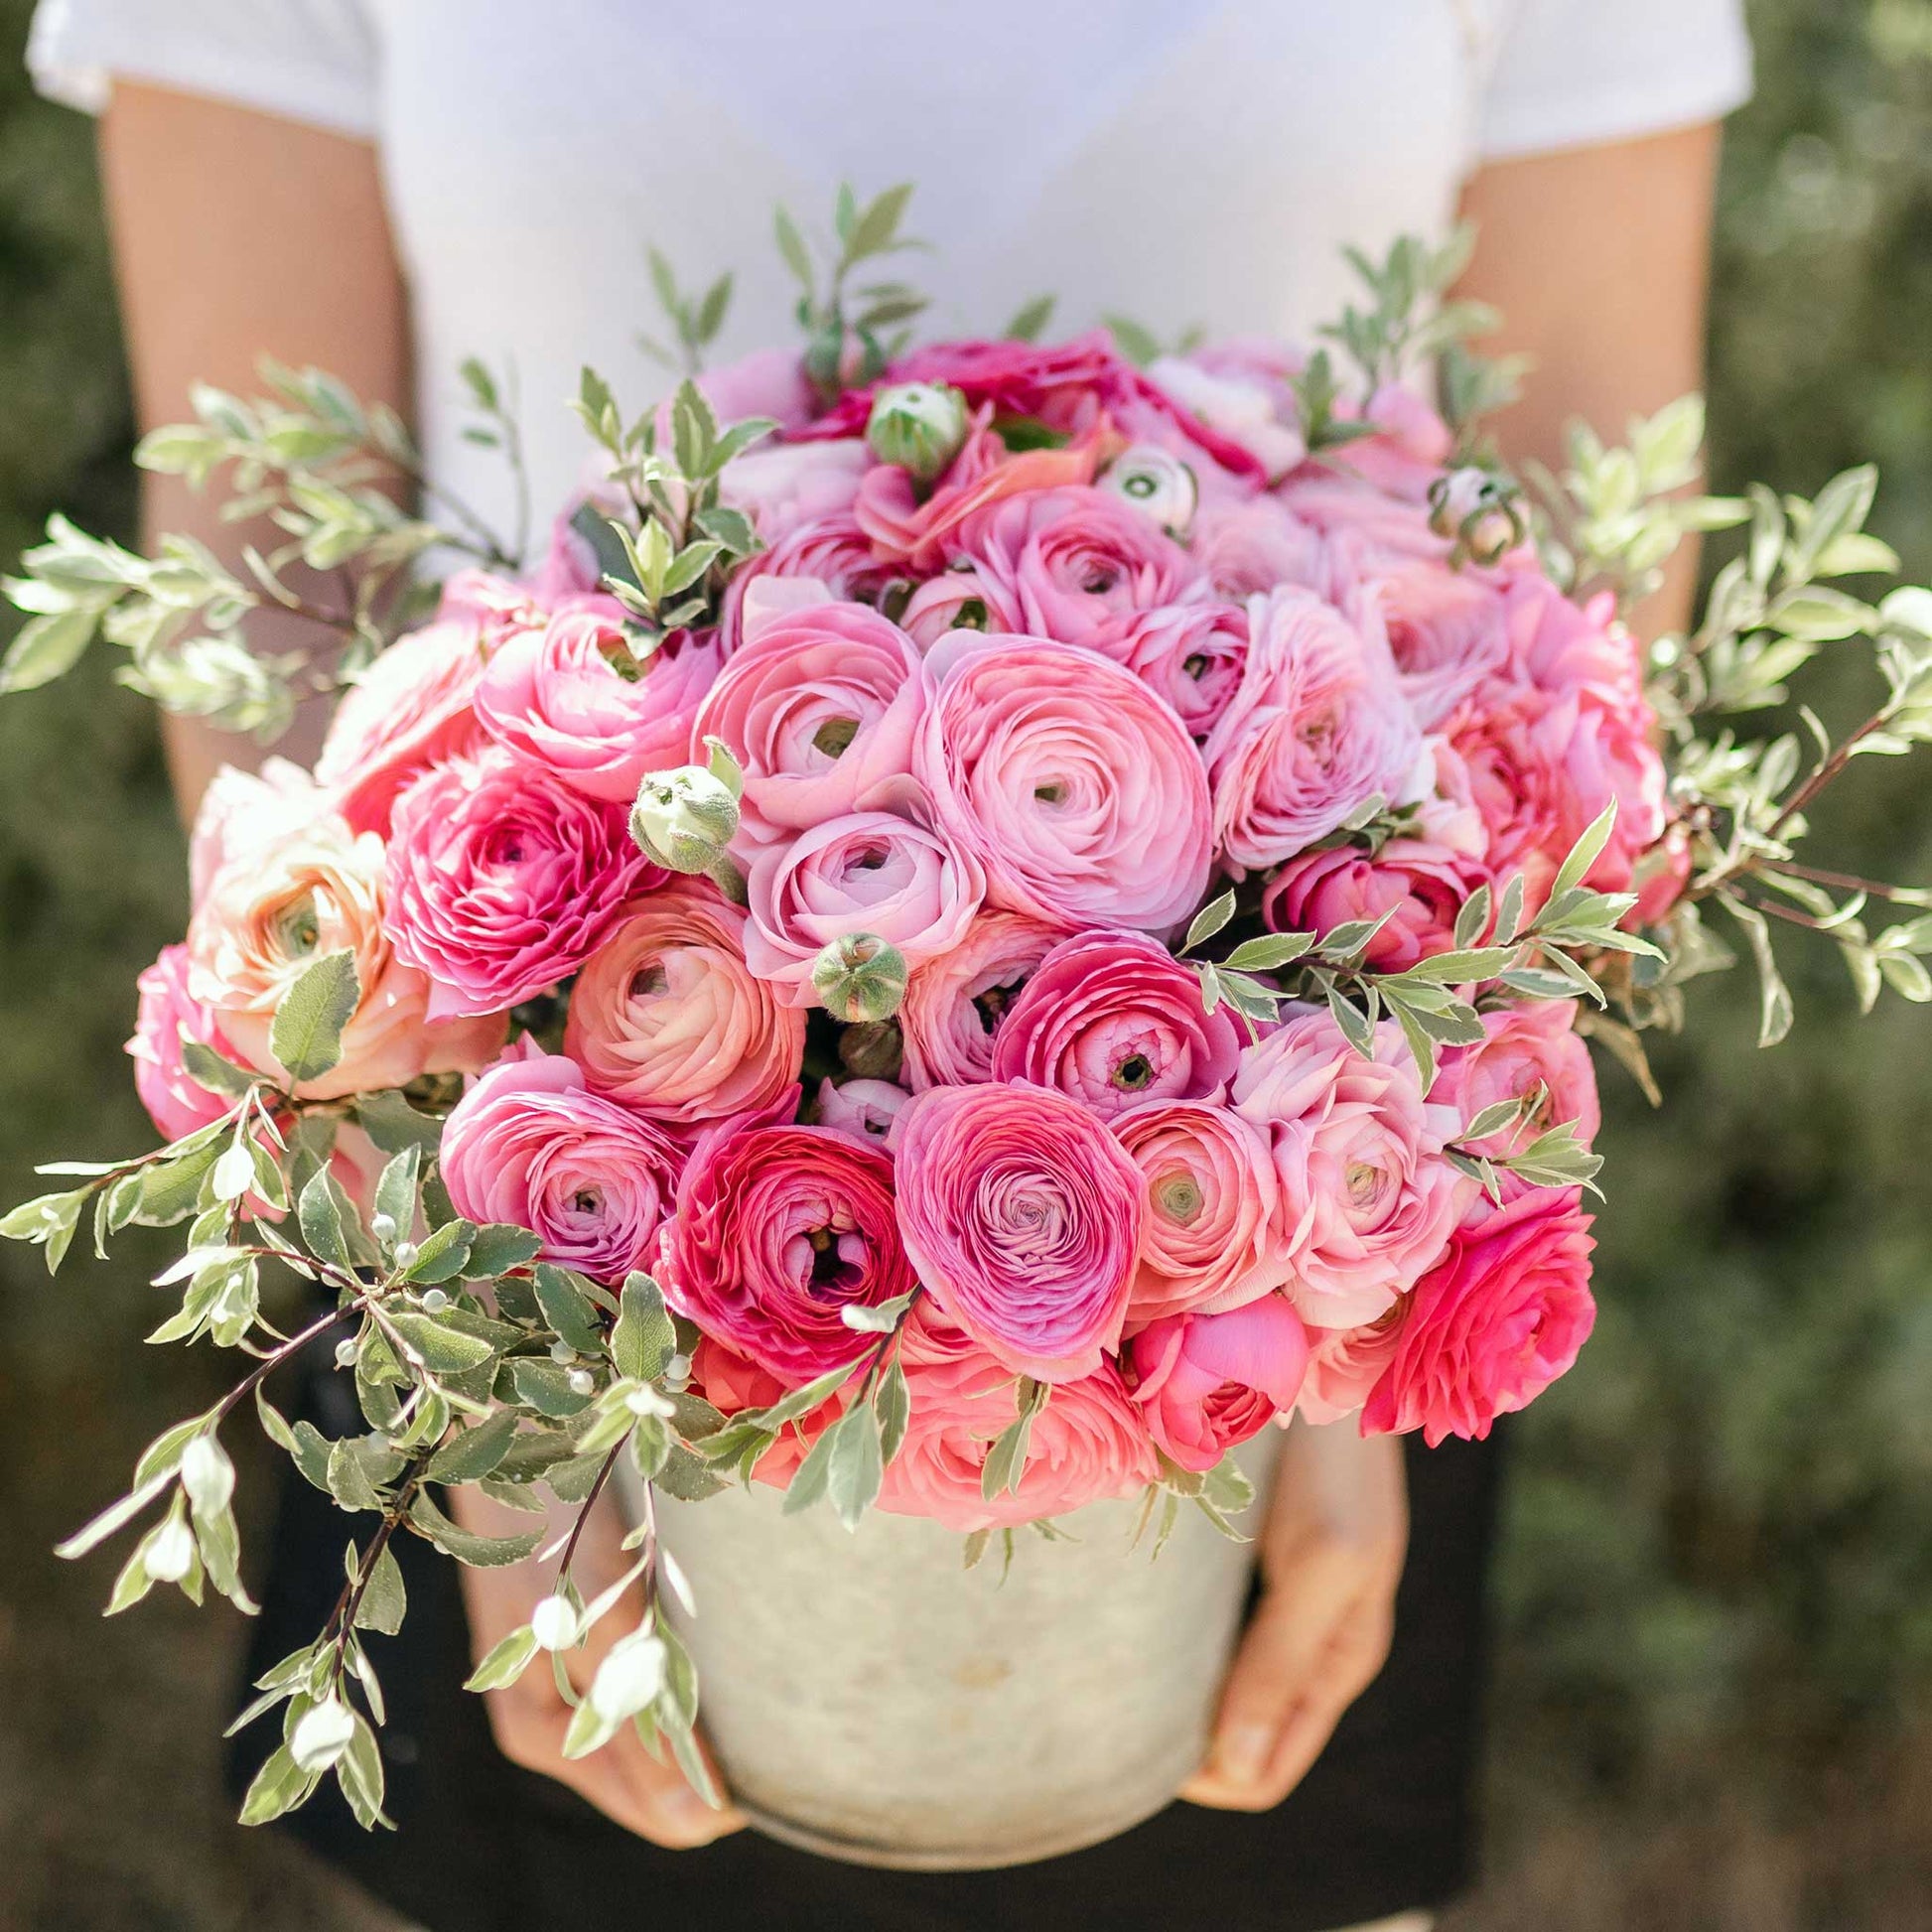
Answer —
1713 1705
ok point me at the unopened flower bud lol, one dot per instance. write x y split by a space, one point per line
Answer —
873 1051
629 1678
562 1352
322 1735
684 819
581 1381
208 1475
383 1227
435 1301
168 1556
919 426
405 1253
1481 510
859 978
554 1623
1157 481
345 1355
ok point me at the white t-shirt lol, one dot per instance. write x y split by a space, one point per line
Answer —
1177 163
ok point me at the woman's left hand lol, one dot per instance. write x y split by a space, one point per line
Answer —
1332 1554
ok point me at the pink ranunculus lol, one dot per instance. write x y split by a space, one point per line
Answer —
886 870
767 383
1344 1364
1526 1046
1448 629
954 1003
1086 1444
1112 1019
1079 563
499 607
1368 533
782 486
275 908
832 553
176 1101
411 709
864 1108
1210 1241
1367 1200
1410 448
1077 788
667 1017
1492 1327
502 879
246 811
1190 654
956 600
1023 1216
818 709
574 698
1252 412
1249 546
1317 729
1421 884
778 1229
1205 1382
530 1144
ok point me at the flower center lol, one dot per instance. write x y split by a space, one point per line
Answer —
870 859
587 1202
991 1004
835 736
1099 581
1133 1073
1178 1197
1049 794
649 982
830 1269
299 930
1363 1182
1196 665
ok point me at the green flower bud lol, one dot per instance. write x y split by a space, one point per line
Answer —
873 1049
1481 511
917 425
1157 481
859 978
684 819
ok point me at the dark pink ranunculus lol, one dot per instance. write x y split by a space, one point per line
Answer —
1490 1327
954 1004
1448 630
1023 1216
1525 1048
530 1144
1079 563
1078 790
1319 728
818 708
1419 885
1112 1019
1088 1444
1205 1382
1190 654
502 881
572 697
780 1229
168 1012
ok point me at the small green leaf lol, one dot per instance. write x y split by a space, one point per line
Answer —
644 1338
496 1247
320 1214
476 1452
1270 952
478 1551
442 1349
384 1599
443 1255
307 1036
1031 321
1005 1461
545 1386
1209 920
505 1662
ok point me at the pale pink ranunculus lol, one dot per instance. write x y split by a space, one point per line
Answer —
1490 1327
574 698
1250 545
244 811
1206 1382
1366 1198
1088 1444
1242 404
531 1145
778 1229
1210 1241
1319 728
954 1004
1447 629
818 709
1113 1020
1368 533
1419 885
1408 449
770 382
959 599
890 872
411 709
865 1108
782 486
1344 1364
499 607
274 909
1524 1048
1078 790
1191 655
667 1017
502 879
1022 1215
167 1013
1079 563
831 554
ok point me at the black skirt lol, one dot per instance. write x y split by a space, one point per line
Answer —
1383 1822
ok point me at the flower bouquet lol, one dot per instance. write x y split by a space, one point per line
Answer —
987 922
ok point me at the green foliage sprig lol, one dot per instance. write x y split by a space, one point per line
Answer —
843 321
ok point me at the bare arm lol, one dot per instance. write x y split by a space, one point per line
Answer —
237 236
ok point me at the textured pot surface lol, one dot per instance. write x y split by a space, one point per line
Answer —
870 1698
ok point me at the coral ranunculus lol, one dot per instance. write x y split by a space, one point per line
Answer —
1023 1216
1205 1382
953 1005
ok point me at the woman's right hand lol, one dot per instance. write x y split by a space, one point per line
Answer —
530 1718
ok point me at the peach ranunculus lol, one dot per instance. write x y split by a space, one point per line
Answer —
1211 1240
954 1004
243 811
667 1017
1419 885
1345 1365
1319 728
1191 655
1525 1048
1367 1200
272 911
1023 1216
1205 1382
572 697
1490 1327
818 709
1113 1020
176 1101
1078 790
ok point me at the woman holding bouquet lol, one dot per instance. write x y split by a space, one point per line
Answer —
381 189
